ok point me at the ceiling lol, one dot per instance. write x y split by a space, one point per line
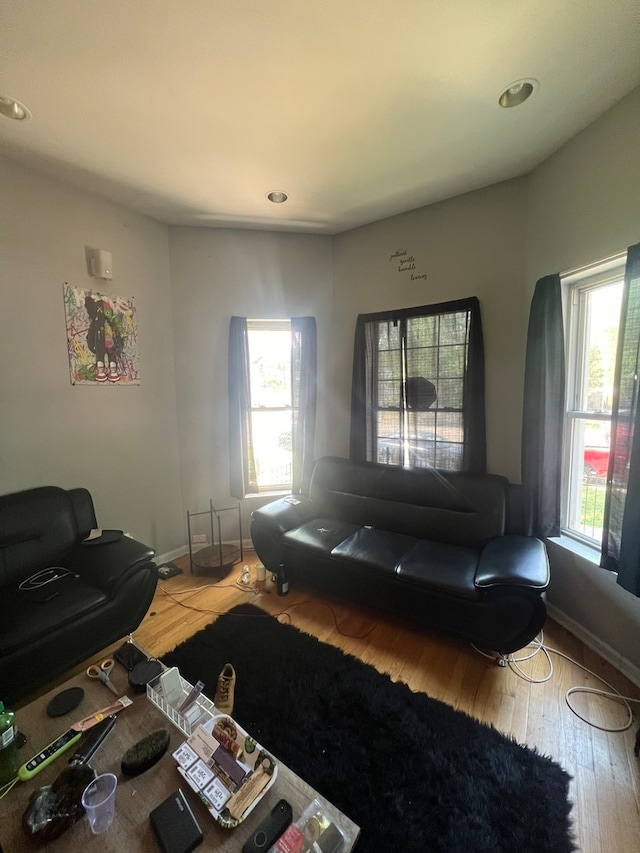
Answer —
191 111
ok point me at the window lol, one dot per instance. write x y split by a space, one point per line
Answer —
272 404
271 401
592 299
418 388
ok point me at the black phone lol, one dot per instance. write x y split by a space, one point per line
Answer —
271 828
129 655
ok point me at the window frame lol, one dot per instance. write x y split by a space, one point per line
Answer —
366 386
576 286
271 325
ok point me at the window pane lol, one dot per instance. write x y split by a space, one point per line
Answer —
389 394
388 364
444 360
422 331
452 360
595 313
388 336
271 415
270 355
602 316
389 444
588 476
272 447
451 393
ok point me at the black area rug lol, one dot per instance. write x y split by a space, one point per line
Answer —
413 773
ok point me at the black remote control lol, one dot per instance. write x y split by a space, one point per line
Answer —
270 829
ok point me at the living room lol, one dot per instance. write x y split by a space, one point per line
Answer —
151 452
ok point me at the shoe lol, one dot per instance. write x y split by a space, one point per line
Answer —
223 700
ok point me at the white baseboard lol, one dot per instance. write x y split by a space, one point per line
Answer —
628 669
161 559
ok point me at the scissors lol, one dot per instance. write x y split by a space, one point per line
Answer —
102 672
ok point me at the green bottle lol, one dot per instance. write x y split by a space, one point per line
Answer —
8 746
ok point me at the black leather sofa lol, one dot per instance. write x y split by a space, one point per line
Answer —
63 599
438 547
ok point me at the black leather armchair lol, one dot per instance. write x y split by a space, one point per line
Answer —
438 547
62 599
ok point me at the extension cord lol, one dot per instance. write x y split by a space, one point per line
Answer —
538 646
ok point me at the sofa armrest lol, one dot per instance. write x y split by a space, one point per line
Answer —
285 514
515 561
270 521
107 566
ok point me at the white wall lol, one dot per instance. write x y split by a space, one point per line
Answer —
583 206
215 274
583 202
119 442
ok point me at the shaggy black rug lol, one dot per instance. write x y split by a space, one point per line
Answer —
413 773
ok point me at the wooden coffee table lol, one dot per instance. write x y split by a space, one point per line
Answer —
136 796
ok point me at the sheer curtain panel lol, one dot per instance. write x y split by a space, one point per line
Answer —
303 387
242 469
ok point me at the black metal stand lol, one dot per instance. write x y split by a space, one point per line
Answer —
219 557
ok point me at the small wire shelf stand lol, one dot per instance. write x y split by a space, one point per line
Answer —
219 556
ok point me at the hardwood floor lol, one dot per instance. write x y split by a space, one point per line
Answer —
606 774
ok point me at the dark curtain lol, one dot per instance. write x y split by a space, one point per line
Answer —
303 389
363 385
543 410
621 536
242 469
475 432
395 353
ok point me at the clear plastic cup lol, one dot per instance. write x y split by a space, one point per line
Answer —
99 801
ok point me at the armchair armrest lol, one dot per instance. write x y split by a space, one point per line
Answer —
107 566
513 560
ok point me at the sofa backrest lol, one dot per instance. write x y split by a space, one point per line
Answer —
444 506
38 527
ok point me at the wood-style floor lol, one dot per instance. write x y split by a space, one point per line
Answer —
606 774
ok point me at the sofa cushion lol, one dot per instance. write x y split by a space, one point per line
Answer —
319 536
449 569
26 615
376 549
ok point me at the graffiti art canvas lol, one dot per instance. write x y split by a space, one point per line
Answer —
102 338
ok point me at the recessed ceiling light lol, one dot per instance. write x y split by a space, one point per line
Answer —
517 93
277 196
13 109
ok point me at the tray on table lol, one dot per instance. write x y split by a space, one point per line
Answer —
227 768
